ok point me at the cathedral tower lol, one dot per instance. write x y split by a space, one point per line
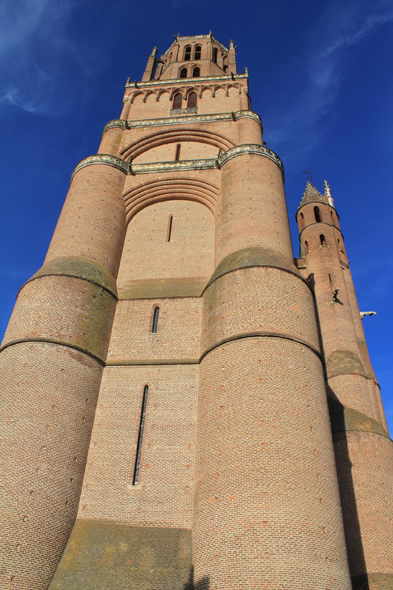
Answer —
166 413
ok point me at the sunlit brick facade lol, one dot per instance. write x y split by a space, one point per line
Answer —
185 404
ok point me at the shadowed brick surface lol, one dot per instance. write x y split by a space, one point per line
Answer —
364 465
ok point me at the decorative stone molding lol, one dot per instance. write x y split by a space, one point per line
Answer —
247 115
174 166
183 120
250 148
106 159
191 84
116 123
219 79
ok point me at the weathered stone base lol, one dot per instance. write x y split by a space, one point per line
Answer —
373 582
103 555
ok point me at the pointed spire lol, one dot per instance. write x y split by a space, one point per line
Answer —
310 194
328 193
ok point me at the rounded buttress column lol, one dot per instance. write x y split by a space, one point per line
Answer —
51 365
267 509
111 137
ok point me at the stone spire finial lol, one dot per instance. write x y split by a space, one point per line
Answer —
310 194
154 52
328 193
231 44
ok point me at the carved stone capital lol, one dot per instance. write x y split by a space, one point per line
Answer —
250 148
105 159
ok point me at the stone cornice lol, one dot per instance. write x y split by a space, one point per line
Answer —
174 166
182 120
183 81
105 159
250 148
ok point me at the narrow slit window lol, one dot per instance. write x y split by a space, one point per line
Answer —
154 326
192 100
140 436
170 227
198 50
307 250
330 277
322 240
177 101
177 155
196 72
301 221
183 73
215 54
187 53
317 215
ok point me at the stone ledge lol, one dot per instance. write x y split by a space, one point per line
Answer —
103 159
377 581
108 554
260 335
151 362
173 166
346 362
79 268
251 148
182 120
344 419
180 81
253 257
38 340
163 288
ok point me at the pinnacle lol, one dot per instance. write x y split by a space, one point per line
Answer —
310 194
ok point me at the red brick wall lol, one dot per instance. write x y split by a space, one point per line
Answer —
148 254
46 422
163 496
267 512
178 335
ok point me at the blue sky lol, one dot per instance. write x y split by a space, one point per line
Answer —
320 77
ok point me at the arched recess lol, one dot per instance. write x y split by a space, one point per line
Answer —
149 255
148 142
155 191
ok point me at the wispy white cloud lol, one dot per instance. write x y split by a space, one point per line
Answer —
34 45
341 27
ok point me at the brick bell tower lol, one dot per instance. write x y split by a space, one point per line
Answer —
165 408
363 448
